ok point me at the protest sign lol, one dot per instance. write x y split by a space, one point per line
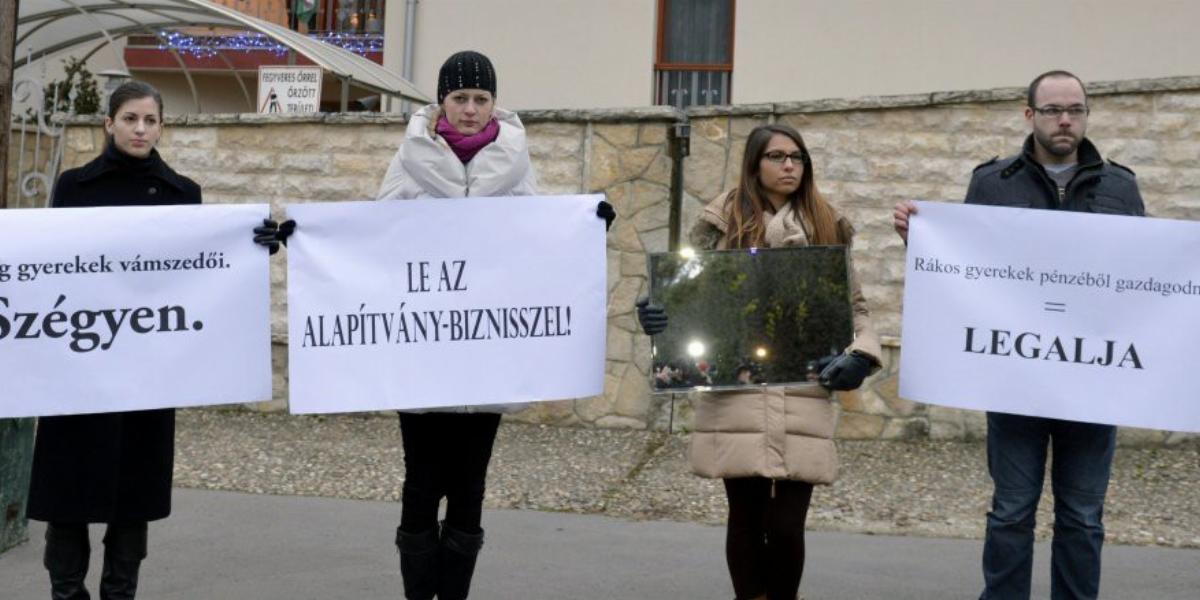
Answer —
132 308
444 302
1077 316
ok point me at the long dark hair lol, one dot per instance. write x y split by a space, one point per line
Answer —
747 203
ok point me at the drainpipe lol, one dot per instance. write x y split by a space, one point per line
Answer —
681 134
410 28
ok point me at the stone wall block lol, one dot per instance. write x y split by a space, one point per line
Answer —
704 168
621 300
384 141
655 240
236 183
243 161
556 147
624 236
1121 103
191 161
619 344
618 422
851 401
643 356
79 139
633 264
905 429
711 129
1154 180
1169 125
367 166
636 161
590 409
1182 102
946 430
858 426
310 164
558 412
981 148
189 137
1181 154
733 166
659 170
653 216
605 169
653 134
633 397
1188 181
620 135
888 389
740 127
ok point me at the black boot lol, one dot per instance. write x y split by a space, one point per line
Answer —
458 553
418 563
124 549
66 558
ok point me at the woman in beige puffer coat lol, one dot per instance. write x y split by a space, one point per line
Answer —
770 445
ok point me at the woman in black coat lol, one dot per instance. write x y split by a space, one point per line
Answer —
112 468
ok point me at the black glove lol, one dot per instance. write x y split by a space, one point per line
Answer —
653 319
271 234
605 211
846 372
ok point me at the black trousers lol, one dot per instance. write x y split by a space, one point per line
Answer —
446 455
764 540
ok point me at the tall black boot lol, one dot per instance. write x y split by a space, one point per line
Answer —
66 559
418 563
458 553
124 549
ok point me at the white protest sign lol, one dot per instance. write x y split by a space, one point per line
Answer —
132 308
1076 316
289 89
444 302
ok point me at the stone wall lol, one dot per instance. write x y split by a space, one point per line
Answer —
868 153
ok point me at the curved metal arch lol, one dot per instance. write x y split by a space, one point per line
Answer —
173 14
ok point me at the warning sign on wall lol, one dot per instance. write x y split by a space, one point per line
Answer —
289 89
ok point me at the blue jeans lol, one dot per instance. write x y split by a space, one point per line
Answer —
1016 450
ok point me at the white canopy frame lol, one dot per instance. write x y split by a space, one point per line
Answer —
48 26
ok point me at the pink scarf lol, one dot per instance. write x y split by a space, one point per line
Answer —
465 147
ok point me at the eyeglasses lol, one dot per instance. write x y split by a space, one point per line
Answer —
778 156
1075 112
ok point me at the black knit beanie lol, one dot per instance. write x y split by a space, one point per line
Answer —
466 69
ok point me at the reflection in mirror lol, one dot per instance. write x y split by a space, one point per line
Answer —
750 317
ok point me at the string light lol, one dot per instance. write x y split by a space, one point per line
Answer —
210 46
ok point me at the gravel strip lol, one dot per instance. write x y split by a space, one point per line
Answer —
913 488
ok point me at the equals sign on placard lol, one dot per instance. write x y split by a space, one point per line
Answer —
1055 307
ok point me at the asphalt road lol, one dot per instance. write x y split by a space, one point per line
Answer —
229 546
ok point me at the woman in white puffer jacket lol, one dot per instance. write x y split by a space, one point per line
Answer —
463 146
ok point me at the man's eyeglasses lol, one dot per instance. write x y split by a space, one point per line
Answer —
778 156
1077 111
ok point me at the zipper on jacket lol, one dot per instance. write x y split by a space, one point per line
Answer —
772 489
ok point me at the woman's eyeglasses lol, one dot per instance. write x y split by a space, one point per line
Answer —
778 156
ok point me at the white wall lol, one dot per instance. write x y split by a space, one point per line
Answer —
547 53
808 49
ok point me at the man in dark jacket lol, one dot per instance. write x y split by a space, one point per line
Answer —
1058 169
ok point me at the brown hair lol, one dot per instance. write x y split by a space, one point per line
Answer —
747 203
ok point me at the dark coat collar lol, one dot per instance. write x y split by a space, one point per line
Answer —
1089 156
113 160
